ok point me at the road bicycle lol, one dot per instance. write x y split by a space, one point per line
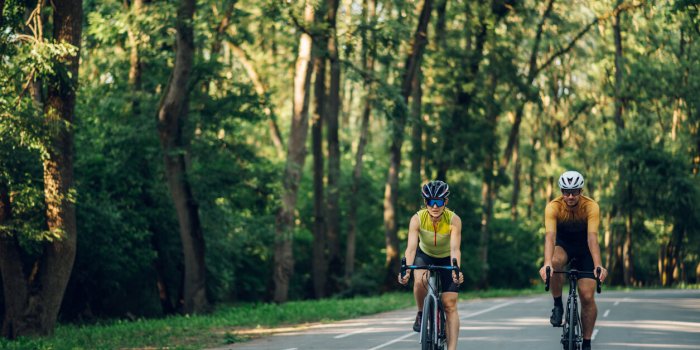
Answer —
432 330
572 336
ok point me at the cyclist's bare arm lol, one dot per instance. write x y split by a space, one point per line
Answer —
412 245
550 230
593 245
455 241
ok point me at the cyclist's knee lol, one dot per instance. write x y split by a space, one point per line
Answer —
449 302
587 297
450 307
558 262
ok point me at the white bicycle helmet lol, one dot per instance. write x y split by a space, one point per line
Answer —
571 180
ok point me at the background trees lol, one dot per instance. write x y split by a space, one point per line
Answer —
502 97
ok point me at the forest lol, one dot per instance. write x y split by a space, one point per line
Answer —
164 157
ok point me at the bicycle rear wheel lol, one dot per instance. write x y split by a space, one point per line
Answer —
427 331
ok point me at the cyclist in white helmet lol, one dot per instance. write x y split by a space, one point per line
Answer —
571 231
434 237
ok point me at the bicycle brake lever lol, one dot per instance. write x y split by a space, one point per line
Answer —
597 279
403 267
546 282
454 263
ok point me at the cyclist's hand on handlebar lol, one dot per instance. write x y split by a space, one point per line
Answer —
603 273
405 278
543 272
459 280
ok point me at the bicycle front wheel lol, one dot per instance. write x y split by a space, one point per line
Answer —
427 327
572 326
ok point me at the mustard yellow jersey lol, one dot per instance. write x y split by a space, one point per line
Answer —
572 224
434 238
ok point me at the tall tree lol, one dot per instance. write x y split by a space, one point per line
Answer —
319 262
335 263
171 119
33 296
416 132
620 126
369 8
415 53
296 154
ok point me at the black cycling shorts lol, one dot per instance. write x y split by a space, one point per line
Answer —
448 285
580 258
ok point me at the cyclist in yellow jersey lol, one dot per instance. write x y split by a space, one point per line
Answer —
434 237
571 232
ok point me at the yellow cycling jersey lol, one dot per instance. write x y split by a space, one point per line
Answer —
434 239
572 224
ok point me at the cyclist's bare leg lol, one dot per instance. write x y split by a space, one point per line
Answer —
589 310
559 260
420 287
449 302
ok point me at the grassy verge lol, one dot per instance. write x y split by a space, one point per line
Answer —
228 324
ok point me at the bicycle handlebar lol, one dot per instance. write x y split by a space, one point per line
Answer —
404 267
578 273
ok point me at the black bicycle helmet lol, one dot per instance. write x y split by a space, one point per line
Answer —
435 189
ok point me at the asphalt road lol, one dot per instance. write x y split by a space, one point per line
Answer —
645 320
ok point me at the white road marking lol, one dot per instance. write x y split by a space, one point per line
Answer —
461 318
487 310
531 300
595 332
616 303
393 341
607 312
353 332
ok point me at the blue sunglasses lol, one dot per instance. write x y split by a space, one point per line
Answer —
433 202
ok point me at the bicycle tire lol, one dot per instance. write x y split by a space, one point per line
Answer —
426 328
572 325
442 331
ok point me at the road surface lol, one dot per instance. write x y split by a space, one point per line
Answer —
644 320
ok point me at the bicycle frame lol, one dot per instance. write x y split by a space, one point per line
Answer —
432 305
433 334
572 333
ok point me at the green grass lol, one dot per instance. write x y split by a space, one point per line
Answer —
228 324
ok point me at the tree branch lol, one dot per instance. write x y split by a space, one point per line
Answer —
532 71
568 47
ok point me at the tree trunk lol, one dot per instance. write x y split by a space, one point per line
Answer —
32 301
628 263
531 177
296 153
135 67
440 23
335 264
368 52
619 102
172 116
58 174
416 133
2 8
420 39
608 241
487 184
319 262
134 80
516 181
